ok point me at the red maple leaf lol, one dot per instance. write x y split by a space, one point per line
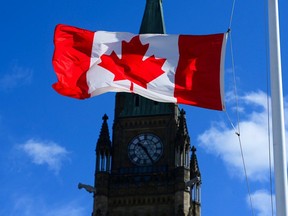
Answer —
131 66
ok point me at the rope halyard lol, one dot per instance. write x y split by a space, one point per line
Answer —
232 14
237 131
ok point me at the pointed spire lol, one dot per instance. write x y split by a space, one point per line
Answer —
153 21
104 143
194 168
182 122
182 136
195 193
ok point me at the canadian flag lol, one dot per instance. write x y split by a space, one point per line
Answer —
185 69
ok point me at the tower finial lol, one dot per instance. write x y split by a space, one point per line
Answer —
105 117
193 149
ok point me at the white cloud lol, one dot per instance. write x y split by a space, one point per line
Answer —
48 153
261 200
67 210
26 205
222 141
18 76
23 204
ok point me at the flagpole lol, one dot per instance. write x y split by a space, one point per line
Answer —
278 127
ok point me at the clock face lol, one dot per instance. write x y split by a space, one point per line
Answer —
145 149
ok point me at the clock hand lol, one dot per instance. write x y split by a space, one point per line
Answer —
146 151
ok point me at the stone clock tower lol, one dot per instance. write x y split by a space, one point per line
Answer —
146 170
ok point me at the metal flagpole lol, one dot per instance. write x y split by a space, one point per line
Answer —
278 127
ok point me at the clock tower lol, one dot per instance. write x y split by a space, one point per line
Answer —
146 169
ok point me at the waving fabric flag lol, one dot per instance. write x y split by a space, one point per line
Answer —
185 69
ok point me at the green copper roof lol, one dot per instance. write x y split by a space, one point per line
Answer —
135 105
152 22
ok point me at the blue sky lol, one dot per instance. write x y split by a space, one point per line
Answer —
48 141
